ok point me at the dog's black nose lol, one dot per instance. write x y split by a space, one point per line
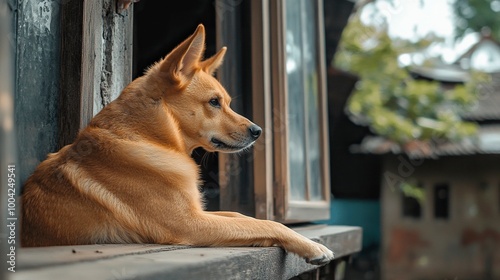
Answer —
255 131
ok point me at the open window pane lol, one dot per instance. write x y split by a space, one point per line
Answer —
312 93
296 111
303 101
300 142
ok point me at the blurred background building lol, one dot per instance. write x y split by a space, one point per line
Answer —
415 126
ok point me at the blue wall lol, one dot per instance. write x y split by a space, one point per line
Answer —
356 212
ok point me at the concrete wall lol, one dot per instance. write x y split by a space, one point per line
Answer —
464 246
37 35
37 39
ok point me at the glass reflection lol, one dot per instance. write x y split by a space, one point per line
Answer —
303 100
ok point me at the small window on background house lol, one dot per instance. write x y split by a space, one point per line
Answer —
411 207
441 201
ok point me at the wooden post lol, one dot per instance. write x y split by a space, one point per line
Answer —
262 112
235 170
93 70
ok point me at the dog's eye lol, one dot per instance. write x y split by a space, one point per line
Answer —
214 102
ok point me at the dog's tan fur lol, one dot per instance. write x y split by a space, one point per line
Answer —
129 177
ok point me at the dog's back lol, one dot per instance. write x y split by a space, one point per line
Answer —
96 189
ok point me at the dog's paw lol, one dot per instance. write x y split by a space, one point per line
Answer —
323 258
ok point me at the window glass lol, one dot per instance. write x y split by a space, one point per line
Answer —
303 101
296 110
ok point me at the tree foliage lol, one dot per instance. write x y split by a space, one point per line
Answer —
474 15
389 100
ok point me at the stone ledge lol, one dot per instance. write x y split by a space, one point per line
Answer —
135 261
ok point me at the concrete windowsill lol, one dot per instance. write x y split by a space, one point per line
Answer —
136 261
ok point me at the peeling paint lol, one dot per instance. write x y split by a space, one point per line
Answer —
40 13
45 19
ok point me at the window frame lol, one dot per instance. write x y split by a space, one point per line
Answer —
288 210
261 94
268 158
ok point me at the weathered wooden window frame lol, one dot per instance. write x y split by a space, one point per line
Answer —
262 110
261 160
288 210
269 172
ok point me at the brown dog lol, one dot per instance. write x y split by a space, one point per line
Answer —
129 177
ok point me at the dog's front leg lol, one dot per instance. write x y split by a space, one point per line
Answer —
228 229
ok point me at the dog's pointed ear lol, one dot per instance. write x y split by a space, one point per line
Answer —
211 64
184 60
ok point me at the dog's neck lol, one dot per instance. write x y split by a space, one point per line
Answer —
180 140
157 83
135 106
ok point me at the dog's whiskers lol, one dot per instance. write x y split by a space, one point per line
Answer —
205 159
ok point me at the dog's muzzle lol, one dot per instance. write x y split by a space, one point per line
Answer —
242 141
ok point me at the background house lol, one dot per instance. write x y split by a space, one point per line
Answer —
453 229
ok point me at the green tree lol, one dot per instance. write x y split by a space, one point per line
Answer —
474 15
389 100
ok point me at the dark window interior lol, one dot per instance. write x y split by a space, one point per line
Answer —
411 207
159 26
441 201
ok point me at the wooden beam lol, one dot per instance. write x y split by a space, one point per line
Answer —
148 261
96 61
262 111
78 34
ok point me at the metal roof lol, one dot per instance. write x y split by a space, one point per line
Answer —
444 73
488 105
487 141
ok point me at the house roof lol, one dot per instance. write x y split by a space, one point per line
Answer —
487 141
488 105
487 108
444 73
483 56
